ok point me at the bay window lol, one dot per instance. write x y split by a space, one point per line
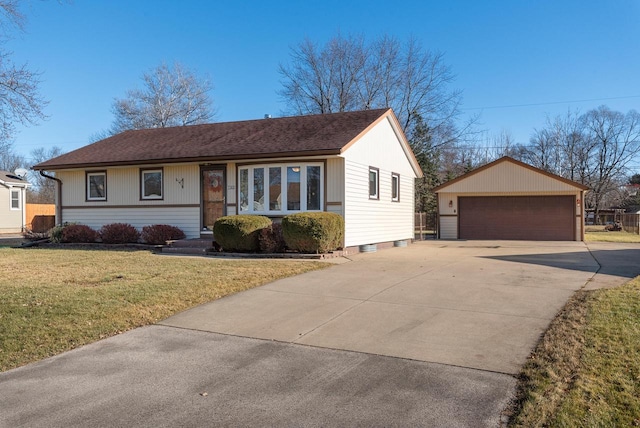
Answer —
280 188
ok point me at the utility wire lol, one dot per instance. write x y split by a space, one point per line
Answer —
551 103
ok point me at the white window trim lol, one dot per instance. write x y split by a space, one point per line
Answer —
283 182
152 197
19 193
88 185
397 177
375 196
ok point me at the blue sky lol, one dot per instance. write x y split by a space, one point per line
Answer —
529 58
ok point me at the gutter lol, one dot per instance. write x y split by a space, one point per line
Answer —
59 198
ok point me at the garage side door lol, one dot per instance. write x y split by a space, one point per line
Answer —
537 218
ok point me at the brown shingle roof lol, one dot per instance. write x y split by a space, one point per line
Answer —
321 134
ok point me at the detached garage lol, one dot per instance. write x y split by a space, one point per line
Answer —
508 199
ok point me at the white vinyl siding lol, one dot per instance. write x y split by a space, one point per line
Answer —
370 221
186 218
181 186
11 220
449 227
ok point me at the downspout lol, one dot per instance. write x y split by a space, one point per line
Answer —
59 198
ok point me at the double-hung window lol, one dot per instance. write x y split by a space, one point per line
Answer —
97 186
151 183
374 183
395 187
15 199
273 189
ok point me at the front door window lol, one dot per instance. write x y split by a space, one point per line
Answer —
213 196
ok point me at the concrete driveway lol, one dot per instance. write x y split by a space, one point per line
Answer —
439 329
475 304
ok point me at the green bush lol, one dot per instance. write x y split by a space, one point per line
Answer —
55 234
239 232
313 232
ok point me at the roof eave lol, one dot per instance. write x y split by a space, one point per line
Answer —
199 159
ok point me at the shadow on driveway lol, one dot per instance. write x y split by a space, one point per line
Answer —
615 260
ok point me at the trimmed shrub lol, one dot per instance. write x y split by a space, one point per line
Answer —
78 233
313 232
159 234
271 239
119 233
239 232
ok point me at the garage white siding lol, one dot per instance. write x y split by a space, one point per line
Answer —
510 178
448 227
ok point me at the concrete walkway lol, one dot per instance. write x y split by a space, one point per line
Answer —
463 316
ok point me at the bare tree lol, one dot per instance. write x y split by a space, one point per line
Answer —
350 74
9 159
615 141
43 190
594 149
20 101
171 96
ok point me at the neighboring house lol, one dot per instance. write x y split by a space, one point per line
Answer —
508 199
13 192
357 164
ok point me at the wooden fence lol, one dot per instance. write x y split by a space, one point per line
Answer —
426 226
631 223
40 217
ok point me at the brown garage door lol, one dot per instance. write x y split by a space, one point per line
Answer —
537 218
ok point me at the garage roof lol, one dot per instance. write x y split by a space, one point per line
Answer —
509 175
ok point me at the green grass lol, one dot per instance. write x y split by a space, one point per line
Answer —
586 370
52 300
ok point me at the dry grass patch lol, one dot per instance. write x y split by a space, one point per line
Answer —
604 236
586 369
52 301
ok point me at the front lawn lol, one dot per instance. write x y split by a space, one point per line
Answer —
585 372
604 236
53 300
